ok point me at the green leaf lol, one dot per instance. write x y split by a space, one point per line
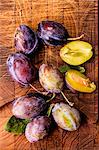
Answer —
65 68
79 68
16 125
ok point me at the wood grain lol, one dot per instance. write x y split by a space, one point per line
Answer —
78 16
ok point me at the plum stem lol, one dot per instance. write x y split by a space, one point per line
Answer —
76 38
70 103
50 109
53 96
44 93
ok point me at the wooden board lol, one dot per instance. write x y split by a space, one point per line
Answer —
78 16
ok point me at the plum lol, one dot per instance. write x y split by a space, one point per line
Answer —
29 106
38 128
76 52
51 80
53 33
79 82
25 39
21 69
66 117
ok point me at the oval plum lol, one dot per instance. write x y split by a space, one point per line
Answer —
52 33
25 39
29 106
38 128
50 78
66 117
21 68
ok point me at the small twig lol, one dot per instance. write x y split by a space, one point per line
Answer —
70 103
53 96
76 38
44 93
50 109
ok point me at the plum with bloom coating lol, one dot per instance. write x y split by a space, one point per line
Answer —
25 39
52 80
54 33
38 128
66 117
21 68
29 106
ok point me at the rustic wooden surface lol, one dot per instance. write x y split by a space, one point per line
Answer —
78 16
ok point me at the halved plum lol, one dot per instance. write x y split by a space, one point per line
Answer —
76 52
79 82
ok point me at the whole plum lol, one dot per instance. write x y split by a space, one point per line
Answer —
66 117
29 106
25 39
21 68
38 128
52 33
50 78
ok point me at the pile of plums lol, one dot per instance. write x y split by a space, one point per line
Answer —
33 107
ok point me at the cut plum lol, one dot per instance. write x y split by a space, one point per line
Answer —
79 82
76 52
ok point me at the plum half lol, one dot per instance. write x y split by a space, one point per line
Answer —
76 52
79 82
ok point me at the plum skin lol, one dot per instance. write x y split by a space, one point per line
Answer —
29 106
50 78
25 39
52 33
21 69
38 128
66 117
